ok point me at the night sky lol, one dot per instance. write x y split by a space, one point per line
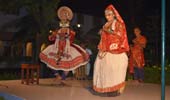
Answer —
96 7
138 9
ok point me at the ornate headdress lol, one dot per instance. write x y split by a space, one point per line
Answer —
65 14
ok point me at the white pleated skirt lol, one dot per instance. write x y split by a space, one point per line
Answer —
110 72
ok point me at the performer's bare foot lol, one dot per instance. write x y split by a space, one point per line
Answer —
121 90
58 77
136 82
140 80
62 84
69 78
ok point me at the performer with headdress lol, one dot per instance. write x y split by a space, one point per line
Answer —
112 61
64 54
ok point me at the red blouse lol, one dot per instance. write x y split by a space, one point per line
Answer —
115 42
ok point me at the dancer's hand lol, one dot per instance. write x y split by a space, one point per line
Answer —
101 54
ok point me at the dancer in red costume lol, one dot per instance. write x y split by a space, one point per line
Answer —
137 61
64 54
112 61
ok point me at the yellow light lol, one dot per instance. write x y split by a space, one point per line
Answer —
78 25
50 31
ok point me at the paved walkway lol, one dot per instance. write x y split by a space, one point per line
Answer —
48 90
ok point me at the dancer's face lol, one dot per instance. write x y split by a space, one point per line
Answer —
109 15
64 16
137 31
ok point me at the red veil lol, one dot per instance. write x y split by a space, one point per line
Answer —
121 28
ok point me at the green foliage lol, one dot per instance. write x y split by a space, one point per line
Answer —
153 75
2 98
42 11
11 7
34 26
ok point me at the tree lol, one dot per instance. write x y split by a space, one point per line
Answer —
41 11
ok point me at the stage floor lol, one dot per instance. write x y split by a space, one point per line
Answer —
76 90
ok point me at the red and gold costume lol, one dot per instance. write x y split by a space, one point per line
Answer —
137 54
115 42
111 63
64 54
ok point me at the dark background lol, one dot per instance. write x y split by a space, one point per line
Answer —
143 13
